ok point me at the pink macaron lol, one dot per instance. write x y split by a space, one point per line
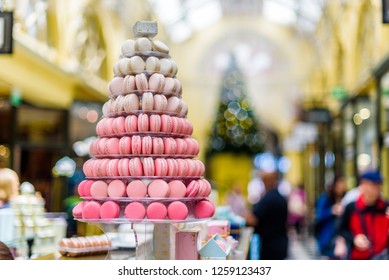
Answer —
131 124
101 146
172 167
169 146
109 210
155 123
91 210
183 167
125 145
147 101
123 167
143 123
77 210
156 211
112 146
176 125
80 188
99 189
204 209
116 188
135 211
136 168
158 189
160 166
136 189
158 146
108 127
166 124
148 166
147 145
101 167
177 189
177 210
87 187
100 127
181 146
118 126
192 189
113 168
136 145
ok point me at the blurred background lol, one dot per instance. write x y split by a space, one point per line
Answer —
298 86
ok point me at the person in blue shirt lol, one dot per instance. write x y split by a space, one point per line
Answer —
327 211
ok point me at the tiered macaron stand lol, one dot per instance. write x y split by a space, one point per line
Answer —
143 171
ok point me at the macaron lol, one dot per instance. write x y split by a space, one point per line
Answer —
136 145
131 103
116 188
99 189
208 187
152 65
128 47
141 82
125 66
118 126
166 124
159 46
178 87
192 189
155 123
156 211
116 69
137 65
160 103
106 109
108 127
136 189
91 210
80 188
147 101
131 124
188 127
115 86
176 125
77 210
177 189
183 167
181 146
135 166
100 127
174 105
158 189
147 145
125 145
109 210
170 86
177 210
172 167
160 166
158 146
129 84
204 209
87 187
101 167
135 211
143 45
143 123
156 83
184 109
112 146
169 146
174 68
165 67
148 166
101 145
112 168
118 105
123 167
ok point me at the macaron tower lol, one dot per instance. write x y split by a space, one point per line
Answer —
143 166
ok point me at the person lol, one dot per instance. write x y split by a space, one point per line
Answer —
9 186
297 209
236 200
5 252
364 224
269 218
327 212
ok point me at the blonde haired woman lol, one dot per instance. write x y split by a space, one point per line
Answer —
9 186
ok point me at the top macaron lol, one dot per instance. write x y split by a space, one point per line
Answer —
144 46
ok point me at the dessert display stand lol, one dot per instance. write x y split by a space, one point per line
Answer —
143 183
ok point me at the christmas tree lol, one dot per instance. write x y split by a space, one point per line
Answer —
236 128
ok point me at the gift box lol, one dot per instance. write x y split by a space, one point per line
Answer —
186 245
221 227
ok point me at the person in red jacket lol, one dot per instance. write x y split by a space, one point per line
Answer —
364 225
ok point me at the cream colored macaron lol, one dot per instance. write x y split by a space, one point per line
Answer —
128 47
165 67
141 82
116 69
143 45
158 46
129 84
124 66
131 103
152 65
137 65
156 83
174 69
